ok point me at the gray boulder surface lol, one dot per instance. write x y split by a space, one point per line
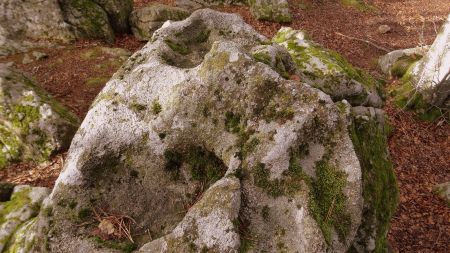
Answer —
31 23
144 21
208 148
33 125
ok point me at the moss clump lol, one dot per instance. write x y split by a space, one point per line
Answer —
232 122
205 166
178 47
328 202
156 107
402 65
84 213
124 246
202 36
380 190
140 107
174 160
263 57
406 96
287 185
265 212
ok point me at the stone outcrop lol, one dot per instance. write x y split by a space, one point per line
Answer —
144 21
203 141
328 71
31 23
33 125
98 19
272 10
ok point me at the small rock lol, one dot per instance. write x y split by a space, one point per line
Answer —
384 29
146 20
443 191
39 55
27 59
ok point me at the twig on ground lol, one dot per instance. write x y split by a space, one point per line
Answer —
365 41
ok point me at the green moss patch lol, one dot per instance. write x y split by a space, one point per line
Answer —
178 47
380 190
328 202
122 245
406 96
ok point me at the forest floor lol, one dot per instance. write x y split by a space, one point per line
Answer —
420 151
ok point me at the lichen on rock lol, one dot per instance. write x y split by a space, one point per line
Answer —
329 71
33 125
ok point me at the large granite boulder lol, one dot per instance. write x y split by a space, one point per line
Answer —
98 19
31 23
271 10
33 125
203 147
328 71
144 21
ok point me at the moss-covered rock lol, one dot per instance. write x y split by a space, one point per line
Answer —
33 125
272 10
329 71
144 21
369 131
97 19
276 57
16 217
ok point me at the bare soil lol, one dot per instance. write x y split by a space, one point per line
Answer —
420 150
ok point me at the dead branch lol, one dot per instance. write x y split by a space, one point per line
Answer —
365 41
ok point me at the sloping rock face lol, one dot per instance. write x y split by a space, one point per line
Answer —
271 144
208 148
33 125
97 18
272 10
431 75
144 21
29 23
328 71
17 216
